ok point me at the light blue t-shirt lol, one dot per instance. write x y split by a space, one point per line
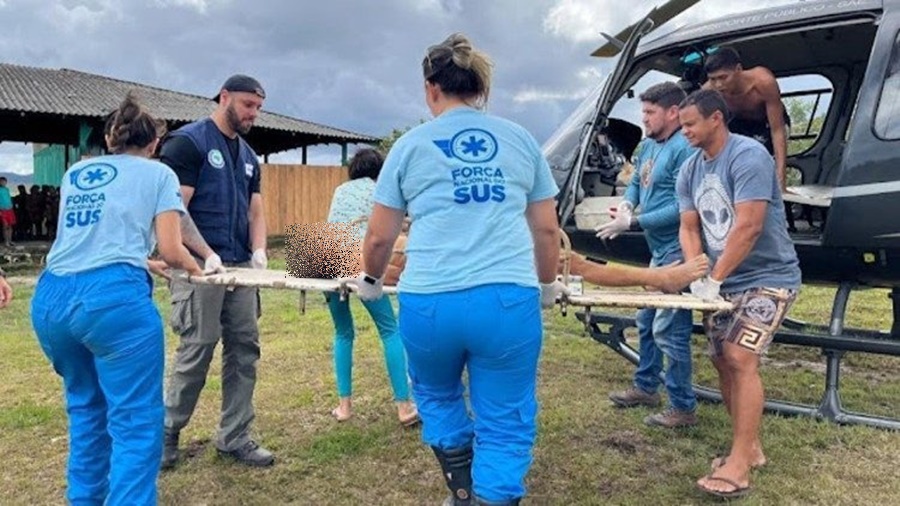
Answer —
107 210
353 200
742 172
652 189
465 179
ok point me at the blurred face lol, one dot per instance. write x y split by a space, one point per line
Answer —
657 120
699 131
724 80
241 110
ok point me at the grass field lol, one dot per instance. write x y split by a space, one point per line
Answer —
587 452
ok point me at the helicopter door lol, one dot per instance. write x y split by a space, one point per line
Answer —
595 129
569 193
866 199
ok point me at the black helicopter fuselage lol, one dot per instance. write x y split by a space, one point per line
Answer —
819 264
853 151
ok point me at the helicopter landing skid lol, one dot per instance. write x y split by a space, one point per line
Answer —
834 341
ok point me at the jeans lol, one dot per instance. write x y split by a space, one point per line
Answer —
666 333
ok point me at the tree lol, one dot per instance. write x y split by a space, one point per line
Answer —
800 110
387 142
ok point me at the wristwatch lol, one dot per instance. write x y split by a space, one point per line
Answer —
369 279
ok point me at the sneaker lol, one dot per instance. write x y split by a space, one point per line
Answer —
672 419
251 454
170 450
634 397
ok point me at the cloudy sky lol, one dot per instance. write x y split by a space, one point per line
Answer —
352 64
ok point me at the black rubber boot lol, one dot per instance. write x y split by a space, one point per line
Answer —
482 502
456 463
170 450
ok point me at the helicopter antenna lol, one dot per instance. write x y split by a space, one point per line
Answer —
660 16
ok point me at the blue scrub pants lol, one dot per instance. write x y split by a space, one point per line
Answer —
104 336
494 331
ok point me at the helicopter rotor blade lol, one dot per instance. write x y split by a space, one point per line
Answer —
617 43
660 16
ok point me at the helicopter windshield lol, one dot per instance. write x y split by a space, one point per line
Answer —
561 149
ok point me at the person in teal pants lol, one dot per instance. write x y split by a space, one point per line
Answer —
352 202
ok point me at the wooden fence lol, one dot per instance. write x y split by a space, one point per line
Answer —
298 193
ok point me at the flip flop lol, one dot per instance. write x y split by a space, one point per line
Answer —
721 462
738 490
339 417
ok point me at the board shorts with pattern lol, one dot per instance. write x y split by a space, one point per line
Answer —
752 323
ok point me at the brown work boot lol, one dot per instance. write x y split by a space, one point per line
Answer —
634 396
672 419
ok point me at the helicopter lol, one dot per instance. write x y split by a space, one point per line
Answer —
841 61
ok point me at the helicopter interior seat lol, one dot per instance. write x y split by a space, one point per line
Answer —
815 199
816 195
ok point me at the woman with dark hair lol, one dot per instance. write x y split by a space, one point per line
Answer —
352 202
94 316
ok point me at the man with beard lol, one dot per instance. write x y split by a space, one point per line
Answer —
220 185
663 332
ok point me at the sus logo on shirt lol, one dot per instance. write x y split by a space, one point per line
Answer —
475 182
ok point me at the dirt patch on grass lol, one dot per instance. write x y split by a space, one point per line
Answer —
627 442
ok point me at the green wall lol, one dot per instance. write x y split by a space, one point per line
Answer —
50 162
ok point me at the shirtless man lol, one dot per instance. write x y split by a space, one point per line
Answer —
754 102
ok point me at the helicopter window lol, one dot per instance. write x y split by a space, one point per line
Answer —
807 100
887 117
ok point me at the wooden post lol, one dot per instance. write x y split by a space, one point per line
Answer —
344 154
303 161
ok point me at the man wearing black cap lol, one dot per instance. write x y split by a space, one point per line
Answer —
220 184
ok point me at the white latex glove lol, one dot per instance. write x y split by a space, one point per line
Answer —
213 265
551 292
259 259
706 288
367 287
621 221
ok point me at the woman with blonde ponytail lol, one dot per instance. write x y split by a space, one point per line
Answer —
481 261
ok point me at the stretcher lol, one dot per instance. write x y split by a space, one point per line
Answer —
276 279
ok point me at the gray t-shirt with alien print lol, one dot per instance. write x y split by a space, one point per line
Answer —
743 171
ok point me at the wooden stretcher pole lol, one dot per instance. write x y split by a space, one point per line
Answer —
566 255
